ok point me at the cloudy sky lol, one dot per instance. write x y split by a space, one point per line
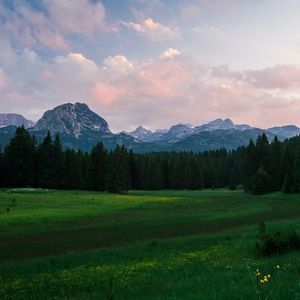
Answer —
152 62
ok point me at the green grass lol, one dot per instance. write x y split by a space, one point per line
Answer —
143 245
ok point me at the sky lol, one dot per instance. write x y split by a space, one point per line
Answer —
153 63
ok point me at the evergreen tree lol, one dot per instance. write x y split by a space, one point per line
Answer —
19 158
285 168
251 165
197 179
97 168
58 163
118 179
73 176
46 162
233 178
296 171
275 157
261 182
262 155
287 186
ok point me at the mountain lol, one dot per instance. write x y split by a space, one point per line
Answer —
14 120
287 131
220 124
81 128
181 131
140 133
220 138
74 120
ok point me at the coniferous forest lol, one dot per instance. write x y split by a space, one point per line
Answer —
261 167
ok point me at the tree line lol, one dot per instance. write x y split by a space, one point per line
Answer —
260 167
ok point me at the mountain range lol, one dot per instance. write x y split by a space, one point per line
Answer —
81 128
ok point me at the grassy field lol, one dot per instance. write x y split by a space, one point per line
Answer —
143 245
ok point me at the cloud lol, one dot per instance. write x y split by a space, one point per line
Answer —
170 53
52 26
157 93
152 30
282 77
118 64
208 31
194 9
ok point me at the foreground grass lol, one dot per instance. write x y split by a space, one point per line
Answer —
144 245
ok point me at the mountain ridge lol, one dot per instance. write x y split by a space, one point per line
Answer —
81 128
13 119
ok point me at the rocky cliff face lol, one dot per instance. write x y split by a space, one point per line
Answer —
15 120
74 120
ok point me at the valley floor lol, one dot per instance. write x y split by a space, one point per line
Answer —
143 245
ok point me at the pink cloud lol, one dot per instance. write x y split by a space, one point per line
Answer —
105 94
51 29
278 77
152 30
156 93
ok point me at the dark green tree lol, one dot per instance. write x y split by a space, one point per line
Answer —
118 178
46 162
97 168
296 170
19 159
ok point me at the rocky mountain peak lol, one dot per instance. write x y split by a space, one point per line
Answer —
72 119
221 122
15 120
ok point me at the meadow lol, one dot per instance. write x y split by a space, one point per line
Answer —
144 245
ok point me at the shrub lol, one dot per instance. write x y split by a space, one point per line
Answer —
278 243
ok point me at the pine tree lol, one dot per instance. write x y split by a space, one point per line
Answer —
261 150
287 186
58 163
261 182
73 176
296 170
251 165
19 158
118 179
197 179
46 161
97 168
285 168
275 157
233 178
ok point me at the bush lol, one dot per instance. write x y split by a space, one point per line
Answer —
278 243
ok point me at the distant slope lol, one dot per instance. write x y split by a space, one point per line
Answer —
15 120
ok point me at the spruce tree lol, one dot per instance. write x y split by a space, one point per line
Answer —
275 156
287 186
285 168
46 162
58 163
251 165
97 168
261 182
118 178
296 170
19 158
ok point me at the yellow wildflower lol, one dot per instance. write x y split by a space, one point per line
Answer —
269 276
262 281
278 267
